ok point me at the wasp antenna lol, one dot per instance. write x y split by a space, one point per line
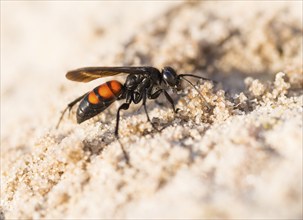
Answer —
208 106
199 77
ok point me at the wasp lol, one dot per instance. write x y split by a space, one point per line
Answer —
142 83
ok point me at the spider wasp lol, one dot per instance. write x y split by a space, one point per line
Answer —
142 83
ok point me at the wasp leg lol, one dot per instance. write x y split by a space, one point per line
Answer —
124 106
69 107
158 92
152 96
171 101
155 94
124 152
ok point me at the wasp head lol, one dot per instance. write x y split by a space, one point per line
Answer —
171 78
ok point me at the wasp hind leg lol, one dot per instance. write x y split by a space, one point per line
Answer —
69 107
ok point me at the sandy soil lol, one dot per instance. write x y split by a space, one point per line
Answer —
241 158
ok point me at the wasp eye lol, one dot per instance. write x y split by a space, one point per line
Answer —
170 76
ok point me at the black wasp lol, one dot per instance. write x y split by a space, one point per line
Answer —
142 83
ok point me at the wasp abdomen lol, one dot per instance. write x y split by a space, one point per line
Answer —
98 100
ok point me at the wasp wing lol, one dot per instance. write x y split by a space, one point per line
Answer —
88 74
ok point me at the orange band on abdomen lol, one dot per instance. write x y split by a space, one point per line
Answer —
92 98
115 86
105 92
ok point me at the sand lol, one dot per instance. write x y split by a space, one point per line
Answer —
240 158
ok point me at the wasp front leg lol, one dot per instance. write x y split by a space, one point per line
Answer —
167 96
171 101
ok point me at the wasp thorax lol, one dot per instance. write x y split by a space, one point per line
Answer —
131 82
